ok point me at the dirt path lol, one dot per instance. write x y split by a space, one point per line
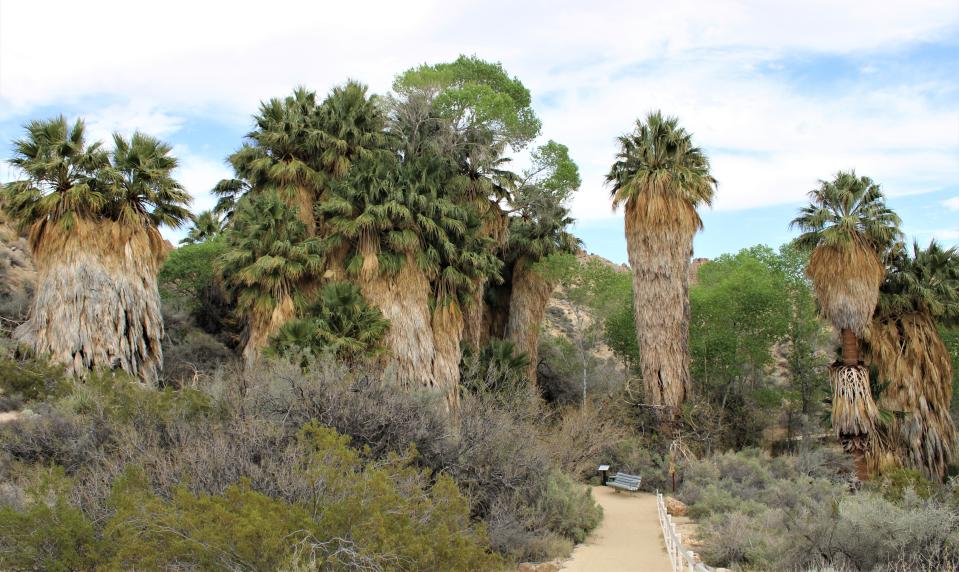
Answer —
628 539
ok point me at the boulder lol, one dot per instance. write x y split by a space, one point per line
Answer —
676 507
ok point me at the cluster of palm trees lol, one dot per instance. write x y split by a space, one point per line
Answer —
408 198
885 304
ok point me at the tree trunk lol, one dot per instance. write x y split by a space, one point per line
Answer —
659 237
527 307
914 365
854 413
261 328
404 301
473 319
447 334
97 303
850 347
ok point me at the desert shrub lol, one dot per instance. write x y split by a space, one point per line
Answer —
47 533
393 456
195 354
893 485
792 513
30 379
568 508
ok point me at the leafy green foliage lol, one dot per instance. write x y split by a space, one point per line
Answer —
847 209
477 95
31 379
66 178
206 226
268 253
659 157
339 322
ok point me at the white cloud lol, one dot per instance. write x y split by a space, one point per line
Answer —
951 204
946 234
601 65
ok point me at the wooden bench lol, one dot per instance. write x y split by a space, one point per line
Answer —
624 482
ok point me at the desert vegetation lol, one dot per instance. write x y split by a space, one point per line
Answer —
384 349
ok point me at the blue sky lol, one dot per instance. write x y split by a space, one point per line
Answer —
779 94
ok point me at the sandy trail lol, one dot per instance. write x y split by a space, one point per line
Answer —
628 539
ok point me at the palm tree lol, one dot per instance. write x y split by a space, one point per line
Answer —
339 322
662 178
93 219
206 225
914 366
279 156
269 256
848 226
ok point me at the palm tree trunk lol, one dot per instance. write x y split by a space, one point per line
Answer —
447 334
473 319
97 303
850 347
527 307
261 328
659 240
854 413
915 366
404 301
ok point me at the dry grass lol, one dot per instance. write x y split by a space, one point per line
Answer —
97 303
659 237
915 365
528 300
847 284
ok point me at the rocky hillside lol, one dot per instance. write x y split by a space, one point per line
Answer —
17 274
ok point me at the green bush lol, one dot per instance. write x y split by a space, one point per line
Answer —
568 507
31 379
48 533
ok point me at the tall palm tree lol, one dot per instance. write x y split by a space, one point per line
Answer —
662 178
269 256
279 156
206 225
848 227
914 367
93 219
532 239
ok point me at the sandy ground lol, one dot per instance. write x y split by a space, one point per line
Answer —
628 539
9 416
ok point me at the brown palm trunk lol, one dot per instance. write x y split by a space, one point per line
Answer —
473 319
261 328
447 334
404 301
659 237
850 347
527 307
854 414
914 365
97 303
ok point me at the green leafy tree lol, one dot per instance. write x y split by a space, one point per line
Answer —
662 178
739 311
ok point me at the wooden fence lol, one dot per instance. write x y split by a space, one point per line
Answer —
680 558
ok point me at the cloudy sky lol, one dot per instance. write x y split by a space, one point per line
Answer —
780 94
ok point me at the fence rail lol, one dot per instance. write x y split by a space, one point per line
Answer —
680 558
